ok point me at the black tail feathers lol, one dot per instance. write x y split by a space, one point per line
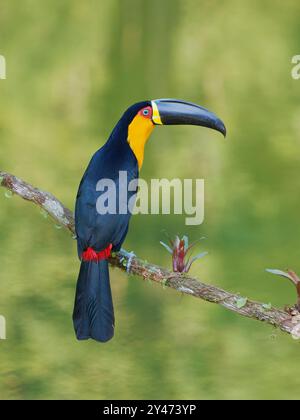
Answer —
93 315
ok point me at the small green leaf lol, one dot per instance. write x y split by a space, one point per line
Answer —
186 242
8 194
176 242
197 257
267 306
164 283
1 179
190 262
58 227
278 272
113 254
241 302
166 247
289 274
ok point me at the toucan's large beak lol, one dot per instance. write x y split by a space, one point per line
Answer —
175 112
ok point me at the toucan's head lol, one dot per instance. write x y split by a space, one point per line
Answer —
144 116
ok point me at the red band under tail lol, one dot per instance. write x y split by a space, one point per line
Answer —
91 255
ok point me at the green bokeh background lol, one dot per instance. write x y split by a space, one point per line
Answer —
72 69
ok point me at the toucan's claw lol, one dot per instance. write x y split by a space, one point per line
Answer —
129 256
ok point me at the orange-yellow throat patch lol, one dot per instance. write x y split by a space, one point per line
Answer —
138 133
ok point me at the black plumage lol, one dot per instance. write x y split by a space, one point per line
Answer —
93 315
98 234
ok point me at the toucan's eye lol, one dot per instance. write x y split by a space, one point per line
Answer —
146 112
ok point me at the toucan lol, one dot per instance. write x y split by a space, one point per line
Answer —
98 233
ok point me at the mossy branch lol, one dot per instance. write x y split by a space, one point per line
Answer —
182 283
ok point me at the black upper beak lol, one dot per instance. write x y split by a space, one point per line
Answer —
175 112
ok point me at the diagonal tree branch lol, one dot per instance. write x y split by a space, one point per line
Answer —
180 282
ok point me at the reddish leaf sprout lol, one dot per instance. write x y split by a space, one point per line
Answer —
180 250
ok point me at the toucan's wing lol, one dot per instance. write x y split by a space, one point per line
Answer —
99 230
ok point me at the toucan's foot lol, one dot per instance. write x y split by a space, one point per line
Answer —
129 261
129 256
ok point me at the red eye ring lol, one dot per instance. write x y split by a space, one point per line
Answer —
146 112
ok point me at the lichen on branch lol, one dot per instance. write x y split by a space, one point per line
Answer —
181 282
